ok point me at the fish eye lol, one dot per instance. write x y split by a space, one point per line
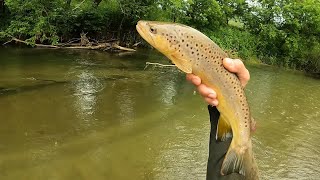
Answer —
153 30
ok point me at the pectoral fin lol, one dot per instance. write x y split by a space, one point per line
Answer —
183 64
253 125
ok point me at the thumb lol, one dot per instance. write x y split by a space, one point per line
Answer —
236 66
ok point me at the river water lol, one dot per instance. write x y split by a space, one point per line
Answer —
92 115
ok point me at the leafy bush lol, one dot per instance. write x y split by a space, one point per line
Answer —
235 39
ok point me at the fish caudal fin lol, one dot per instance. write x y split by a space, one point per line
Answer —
237 160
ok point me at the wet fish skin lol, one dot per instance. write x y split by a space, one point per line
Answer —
193 52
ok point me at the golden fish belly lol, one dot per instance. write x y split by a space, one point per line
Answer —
232 101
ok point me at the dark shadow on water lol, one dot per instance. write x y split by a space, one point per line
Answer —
5 91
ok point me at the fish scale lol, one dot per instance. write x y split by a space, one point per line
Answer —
193 52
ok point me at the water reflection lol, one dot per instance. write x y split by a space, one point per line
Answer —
86 88
125 101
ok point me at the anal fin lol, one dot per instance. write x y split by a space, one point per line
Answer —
253 125
223 130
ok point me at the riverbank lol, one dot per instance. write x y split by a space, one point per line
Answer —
283 37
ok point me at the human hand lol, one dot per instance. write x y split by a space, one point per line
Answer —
233 65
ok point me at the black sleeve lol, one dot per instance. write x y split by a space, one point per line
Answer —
217 151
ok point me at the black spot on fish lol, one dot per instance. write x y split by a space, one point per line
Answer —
197 45
182 40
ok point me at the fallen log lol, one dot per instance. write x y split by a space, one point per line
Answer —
38 45
100 46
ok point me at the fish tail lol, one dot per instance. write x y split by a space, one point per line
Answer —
239 159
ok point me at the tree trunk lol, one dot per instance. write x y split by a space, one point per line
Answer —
97 2
68 3
2 6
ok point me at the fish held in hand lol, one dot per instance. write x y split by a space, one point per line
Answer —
193 52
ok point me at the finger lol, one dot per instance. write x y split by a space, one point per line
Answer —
194 79
237 66
211 102
206 92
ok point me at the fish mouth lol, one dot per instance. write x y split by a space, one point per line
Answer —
142 28
138 27
156 42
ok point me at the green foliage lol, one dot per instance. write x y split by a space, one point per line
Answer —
204 14
33 20
233 8
288 32
235 40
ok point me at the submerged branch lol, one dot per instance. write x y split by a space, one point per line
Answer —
158 64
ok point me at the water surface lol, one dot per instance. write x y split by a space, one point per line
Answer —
92 115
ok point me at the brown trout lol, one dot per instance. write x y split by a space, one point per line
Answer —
193 52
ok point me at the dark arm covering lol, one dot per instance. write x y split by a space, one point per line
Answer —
217 151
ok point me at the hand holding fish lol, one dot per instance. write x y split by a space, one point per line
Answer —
232 65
